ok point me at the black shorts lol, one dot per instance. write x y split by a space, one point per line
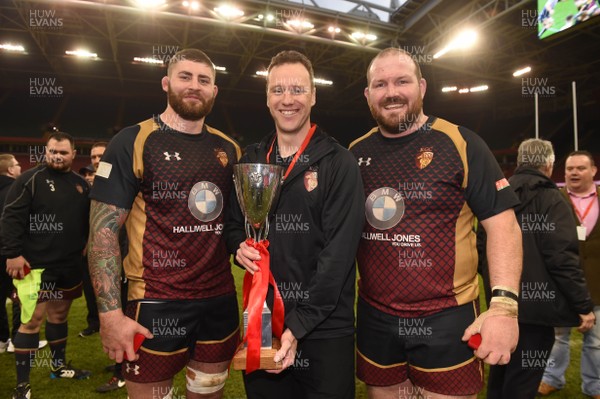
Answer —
427 350
204 330
60 284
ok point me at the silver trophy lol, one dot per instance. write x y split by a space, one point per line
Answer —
257 186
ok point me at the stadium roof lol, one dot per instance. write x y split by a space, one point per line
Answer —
114 90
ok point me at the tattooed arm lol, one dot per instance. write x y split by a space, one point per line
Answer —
104 254
104 257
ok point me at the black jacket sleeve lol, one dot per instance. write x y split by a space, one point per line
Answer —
342 221
15 217
560 251
234 231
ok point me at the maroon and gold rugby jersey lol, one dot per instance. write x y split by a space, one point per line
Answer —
417 254
175 186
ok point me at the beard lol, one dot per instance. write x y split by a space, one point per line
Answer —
189 112
63 166
396 124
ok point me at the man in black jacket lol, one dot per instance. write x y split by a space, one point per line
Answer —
553 287
314 234
582 194
9 171
44 230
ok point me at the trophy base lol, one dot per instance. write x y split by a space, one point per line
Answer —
266 358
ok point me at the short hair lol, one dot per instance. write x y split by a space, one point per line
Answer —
292 57
99 144
390 51
6 161
191 54
60 136
584 153
535 153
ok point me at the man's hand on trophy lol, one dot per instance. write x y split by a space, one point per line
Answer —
246 256
287 353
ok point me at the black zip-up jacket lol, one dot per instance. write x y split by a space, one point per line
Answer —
553 288
5 183
313 236
45 218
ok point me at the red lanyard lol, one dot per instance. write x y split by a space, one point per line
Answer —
587 210
298 153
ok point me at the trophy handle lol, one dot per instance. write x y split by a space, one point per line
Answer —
266 228
259 235
250 231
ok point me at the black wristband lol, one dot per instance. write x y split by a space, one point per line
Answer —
505 293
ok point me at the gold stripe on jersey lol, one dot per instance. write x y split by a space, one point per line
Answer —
451 130
466 282
222 135
136 221
361 138
136 226
146 128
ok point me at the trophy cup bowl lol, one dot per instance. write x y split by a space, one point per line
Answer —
257 186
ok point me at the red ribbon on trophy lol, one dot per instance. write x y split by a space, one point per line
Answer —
255 292
257 185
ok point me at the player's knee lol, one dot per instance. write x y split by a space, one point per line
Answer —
33 325
204 383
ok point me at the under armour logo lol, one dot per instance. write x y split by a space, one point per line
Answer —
51 184
168 156
135 369
367 162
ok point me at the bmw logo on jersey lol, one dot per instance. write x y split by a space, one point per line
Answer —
205 201
384 208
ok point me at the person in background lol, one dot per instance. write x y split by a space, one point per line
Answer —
553 288
88 172
582 193
44 230
10 169
96 153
